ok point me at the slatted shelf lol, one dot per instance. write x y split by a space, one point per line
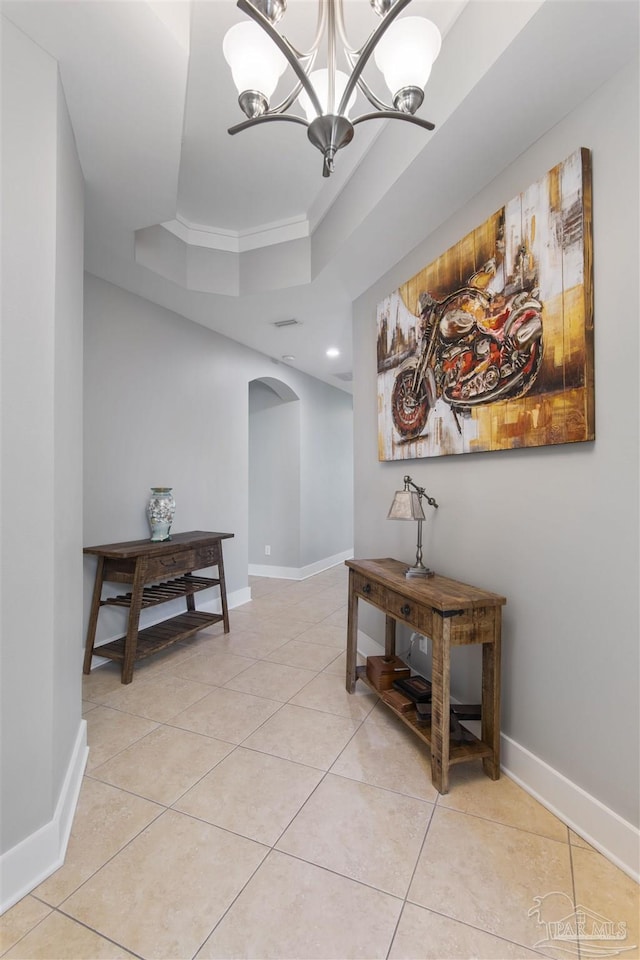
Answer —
458 752
162 592
161 635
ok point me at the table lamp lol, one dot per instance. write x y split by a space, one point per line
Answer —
407 505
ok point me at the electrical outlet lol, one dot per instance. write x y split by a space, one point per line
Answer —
423 643
267 550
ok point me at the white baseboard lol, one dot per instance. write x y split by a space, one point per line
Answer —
235 599
36 857
299 573
368 647
615 838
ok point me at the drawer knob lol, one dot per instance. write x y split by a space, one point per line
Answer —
366 588
405 610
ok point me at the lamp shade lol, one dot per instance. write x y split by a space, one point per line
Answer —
320 83
255 61
406 506
406 52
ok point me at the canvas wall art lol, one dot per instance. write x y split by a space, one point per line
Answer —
490 347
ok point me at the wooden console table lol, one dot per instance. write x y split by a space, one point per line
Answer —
451 614
146 566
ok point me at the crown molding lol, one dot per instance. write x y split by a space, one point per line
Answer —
238 241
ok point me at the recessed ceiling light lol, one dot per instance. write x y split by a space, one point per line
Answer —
333 352
287 356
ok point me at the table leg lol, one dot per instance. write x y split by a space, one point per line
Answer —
352 636
440 702
190 597
131 639
491 698
93 616
223 593
389 638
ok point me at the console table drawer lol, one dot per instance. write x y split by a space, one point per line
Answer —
207 556
400 608
370 590
171 563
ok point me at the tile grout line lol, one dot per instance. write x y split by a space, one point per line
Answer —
226 830
113 856
411 878
573 889
360 723
501 823
116 943
167 723
273 848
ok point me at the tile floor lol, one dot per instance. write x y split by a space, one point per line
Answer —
238 803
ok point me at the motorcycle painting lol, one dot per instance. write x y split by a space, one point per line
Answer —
491 346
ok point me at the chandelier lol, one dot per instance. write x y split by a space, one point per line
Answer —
404 51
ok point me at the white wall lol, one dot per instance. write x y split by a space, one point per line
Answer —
43 740
166 403
554 529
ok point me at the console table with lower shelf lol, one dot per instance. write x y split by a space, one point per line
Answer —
158 572
450 614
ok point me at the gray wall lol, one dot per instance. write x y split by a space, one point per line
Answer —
326 472
41 410
554 529
274 477
302 453
166 403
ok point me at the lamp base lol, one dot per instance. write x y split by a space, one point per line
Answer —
419 572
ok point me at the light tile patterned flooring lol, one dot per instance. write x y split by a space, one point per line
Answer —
239 803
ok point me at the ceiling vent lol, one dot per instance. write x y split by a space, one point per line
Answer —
347 377
286 323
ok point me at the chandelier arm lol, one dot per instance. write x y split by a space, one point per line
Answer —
367 49
320 25
265 118
288 101
331 58
342 33
286 50
352 58
313 49
395 115
372 98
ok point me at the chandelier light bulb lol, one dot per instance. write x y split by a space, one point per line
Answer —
320 82
406 52
255 61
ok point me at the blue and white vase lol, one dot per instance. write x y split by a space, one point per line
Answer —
160 511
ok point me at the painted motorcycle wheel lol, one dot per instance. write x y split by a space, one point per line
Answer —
410 403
